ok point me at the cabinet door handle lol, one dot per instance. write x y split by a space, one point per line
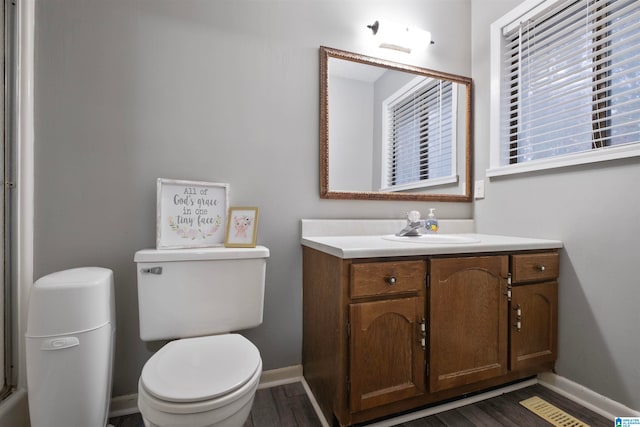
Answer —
391 280
540 267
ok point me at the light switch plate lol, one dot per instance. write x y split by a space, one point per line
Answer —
478 190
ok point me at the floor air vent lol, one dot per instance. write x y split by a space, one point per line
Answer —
550 413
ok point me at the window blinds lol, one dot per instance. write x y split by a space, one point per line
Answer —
421 135
570 80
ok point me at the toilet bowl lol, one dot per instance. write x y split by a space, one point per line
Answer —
200 382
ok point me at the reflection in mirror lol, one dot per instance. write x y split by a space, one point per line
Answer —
391 131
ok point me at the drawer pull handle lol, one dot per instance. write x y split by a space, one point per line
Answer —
540 267
392 280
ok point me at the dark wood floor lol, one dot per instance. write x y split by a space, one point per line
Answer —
282 406
289 406
505 410
286 405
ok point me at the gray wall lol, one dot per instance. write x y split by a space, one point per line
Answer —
595 210
351 134
127 91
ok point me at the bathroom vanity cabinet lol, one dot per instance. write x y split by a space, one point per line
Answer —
385 324
534 310
387 334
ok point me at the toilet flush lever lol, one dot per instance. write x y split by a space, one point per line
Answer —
152 270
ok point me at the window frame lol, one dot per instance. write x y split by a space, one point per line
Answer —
520 14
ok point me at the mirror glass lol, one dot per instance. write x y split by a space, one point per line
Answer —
390 131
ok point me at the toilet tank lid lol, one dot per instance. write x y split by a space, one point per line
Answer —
199 254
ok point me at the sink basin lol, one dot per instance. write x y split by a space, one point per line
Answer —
433 238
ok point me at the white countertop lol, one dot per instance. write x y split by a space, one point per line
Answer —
369 238
376 246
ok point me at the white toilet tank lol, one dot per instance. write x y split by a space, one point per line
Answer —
204 291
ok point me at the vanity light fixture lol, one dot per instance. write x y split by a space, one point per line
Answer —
400 37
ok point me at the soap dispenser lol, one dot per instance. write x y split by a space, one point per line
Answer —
431 224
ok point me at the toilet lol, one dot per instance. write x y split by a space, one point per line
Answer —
206 375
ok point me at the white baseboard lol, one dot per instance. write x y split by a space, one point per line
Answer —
314 403
128 404
588 398
424 412
276 377
123 405
453 405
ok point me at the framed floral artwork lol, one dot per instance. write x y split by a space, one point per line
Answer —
190 214
242 227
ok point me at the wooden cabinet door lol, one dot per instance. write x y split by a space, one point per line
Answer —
387 359
534 323
467 320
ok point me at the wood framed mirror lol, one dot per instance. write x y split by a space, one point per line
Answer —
391 131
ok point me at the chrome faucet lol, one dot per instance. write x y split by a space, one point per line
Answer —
414 224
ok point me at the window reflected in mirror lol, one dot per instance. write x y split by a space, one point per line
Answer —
391 131
418 134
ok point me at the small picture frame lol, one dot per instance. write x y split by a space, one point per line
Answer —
190 214
242 227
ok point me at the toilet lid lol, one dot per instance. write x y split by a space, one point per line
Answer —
196 369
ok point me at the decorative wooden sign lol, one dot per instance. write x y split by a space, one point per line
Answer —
190 214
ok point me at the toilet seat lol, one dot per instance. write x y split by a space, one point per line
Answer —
226 411
156 409
202 369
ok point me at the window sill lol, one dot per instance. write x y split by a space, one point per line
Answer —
601 155
434 182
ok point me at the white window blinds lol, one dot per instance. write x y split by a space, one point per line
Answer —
570 80
420 136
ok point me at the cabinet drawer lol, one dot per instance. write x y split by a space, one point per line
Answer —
383 278
534 267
